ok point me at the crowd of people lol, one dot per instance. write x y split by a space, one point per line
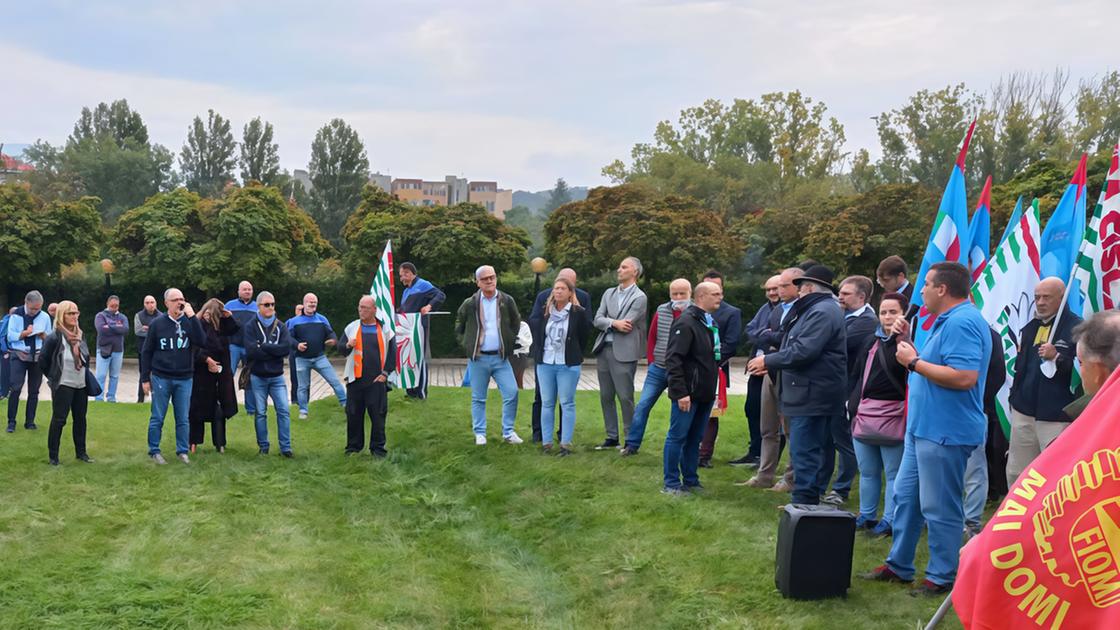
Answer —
833 376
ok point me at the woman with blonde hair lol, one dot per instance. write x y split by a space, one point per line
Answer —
561 335
65 362
213 393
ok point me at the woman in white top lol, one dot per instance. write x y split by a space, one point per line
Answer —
559 339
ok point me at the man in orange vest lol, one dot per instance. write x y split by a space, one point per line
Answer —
371 356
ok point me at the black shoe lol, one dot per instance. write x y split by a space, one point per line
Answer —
31 427
85 458
608 443
705 463
11 427
745 460
929 589
263 451
563 452
287 454
628 451
53 461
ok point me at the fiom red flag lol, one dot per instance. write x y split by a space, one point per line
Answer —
1050 556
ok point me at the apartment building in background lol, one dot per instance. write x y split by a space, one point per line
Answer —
452 190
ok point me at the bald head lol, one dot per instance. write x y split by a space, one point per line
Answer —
771 288
367 309
245 291
310 304
680 290
1048 297
567 273
708 296
787 290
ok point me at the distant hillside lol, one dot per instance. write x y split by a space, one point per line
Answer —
536 200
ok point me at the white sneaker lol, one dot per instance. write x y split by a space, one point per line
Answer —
157 458
513 438
302 415
479 439
183 458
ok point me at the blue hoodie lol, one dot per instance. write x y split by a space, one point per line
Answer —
314 330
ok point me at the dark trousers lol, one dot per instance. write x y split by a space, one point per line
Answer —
366 399
34 377
292 375
139 386
995 450
537 436
808 443
217 432
5 373
711 431
753 410
73 402
840 441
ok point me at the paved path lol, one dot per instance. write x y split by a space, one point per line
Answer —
443 372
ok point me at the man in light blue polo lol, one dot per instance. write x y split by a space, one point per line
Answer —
945 423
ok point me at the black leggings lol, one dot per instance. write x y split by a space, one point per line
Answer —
217 432
68 400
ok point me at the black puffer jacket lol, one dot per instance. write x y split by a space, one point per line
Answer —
690 360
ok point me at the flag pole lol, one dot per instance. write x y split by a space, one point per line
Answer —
1049 367
941 612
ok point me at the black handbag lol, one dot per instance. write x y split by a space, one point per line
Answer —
93 388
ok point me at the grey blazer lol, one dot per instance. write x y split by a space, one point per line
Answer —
629 346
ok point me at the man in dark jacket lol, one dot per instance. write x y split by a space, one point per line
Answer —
729 320
486 325
752 407
140 323
112 328
692 363
267 344
419 296
535 317
860 324
813 385
244 309
1037 399
167 371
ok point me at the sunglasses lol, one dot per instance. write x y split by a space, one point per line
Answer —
267 304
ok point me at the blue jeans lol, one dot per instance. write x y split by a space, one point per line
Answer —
276 388
237 355
303 375
809 437
558 381
975 486
928 488
657 380
874 460
682 444
112 365
177 391
480 371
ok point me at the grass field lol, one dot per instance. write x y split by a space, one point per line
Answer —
441 534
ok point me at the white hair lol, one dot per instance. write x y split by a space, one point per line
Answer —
637 264
262 294
478 272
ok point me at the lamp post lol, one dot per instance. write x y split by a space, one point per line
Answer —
107 267
539 266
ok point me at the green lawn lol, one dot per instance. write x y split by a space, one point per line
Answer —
442 534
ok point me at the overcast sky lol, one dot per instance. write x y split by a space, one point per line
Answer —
518 92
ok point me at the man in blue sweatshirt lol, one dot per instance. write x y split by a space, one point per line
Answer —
167 371
266 345
112 327
311 334
244 309
419 296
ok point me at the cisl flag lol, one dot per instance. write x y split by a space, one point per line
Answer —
1050 556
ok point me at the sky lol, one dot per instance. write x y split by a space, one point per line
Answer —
518 92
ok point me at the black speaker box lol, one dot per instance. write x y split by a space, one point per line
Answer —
815 544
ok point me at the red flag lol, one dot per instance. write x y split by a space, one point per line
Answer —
1050 556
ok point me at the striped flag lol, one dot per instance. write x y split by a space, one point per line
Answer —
1095 283
410 350
382 289
980 232
1005 296
947 240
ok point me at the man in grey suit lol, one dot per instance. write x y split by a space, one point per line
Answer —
621 319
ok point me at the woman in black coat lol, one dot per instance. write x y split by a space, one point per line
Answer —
65 361
559 338
213 393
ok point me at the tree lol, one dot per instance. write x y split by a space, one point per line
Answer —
533 224
108 155
560 195
673 236
209 155
260 156
1098 112
447 242
339 170
180 239
41 236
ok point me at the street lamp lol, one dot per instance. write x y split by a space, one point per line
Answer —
107 267
539 266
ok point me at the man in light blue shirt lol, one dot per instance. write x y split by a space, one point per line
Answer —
27 328
945 423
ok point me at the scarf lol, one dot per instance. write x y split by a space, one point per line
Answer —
267 321
680 305
883 335
557 328
711 324
74 339
358 348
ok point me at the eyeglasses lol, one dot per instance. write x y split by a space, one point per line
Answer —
267 304
487 278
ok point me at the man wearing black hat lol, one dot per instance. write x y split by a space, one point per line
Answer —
813 382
